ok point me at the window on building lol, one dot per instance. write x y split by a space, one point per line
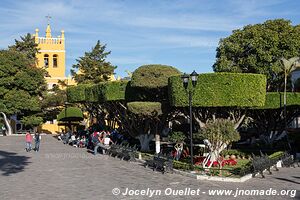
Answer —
46 60
55 60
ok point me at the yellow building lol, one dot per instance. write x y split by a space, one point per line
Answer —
52 57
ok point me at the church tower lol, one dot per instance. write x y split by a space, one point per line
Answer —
51 55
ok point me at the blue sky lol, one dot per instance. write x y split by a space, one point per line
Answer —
182 33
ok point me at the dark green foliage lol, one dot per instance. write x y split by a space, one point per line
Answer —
258 48
145 94
93 67
27 46
274 100
177 137
92 93
220 131
150 83
145 108
221 90
102 92
21 84
112 91
77 93
153 76
32 120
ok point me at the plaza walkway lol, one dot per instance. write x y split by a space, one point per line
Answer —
63 172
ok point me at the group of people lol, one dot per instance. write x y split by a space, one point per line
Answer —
74 139
37 140
92 140
101 139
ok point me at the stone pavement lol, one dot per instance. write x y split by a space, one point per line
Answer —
63 172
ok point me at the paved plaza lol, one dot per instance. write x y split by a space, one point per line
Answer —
63 172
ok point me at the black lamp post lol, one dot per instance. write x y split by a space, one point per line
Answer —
185 79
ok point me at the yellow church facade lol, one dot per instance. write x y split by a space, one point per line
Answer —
52 58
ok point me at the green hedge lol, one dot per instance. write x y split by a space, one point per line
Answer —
77 93
221 90
111 91
145 108
153 76
107 91
274 100
146 94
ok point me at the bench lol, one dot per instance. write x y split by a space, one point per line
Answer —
162 163
261 163
123 152
288 160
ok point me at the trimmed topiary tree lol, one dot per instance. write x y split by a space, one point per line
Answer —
144 119
150 83
269 120
221 90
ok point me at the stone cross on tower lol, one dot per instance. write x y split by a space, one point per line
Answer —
48 18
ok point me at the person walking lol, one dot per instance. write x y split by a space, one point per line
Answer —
37 141
28 139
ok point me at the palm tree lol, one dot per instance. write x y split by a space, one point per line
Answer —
287 66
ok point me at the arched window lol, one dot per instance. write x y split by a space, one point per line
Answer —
46 60
54 60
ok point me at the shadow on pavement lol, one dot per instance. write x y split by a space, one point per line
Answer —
11 163
284 179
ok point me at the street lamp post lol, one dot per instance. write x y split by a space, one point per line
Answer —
185 79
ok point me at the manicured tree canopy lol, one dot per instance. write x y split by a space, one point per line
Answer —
150 83
270 119
102 92
70 114
221 90
153 76
77 93
274 100
145 108
111 91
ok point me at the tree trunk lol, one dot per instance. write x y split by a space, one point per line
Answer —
7 124
144 141
213 156
157 143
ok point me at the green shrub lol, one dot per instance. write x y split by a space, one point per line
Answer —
221 90
220 130
145 108
177 137
276 155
